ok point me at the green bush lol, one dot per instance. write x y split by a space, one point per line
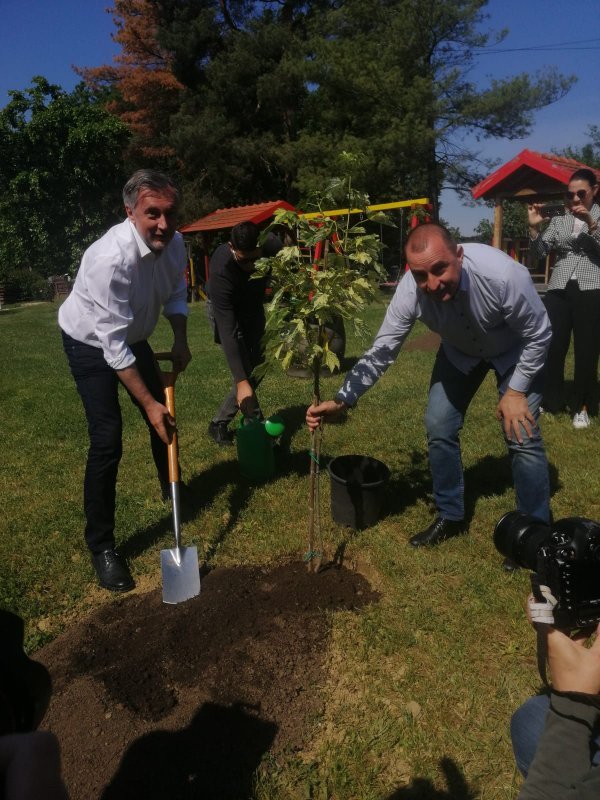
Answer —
25 284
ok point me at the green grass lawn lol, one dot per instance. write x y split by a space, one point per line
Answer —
431 672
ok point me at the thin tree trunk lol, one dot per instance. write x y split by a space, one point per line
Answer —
313 558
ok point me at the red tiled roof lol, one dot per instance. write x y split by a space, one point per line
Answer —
224 218
545 173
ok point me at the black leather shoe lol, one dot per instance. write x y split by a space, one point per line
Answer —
220 433
439 530
112 571
508 565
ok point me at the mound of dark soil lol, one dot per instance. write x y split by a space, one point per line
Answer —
156 701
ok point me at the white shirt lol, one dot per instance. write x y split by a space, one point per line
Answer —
496 316
119 290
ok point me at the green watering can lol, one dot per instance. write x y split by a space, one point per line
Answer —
255 441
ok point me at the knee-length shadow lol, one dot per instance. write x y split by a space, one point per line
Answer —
214 758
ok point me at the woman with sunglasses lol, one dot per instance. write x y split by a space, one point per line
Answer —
573 296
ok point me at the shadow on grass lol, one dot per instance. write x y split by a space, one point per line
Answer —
457 787
491 475
202 489
215 757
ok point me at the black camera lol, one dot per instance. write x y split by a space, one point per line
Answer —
549 210
565 557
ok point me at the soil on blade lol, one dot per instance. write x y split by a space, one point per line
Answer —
157 701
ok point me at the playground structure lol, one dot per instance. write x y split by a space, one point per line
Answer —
221 221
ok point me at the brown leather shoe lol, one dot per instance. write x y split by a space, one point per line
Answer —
439 530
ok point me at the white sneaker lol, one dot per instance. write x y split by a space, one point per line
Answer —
581 420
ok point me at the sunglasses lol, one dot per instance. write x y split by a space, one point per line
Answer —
580 194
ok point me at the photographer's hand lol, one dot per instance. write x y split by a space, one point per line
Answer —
574 666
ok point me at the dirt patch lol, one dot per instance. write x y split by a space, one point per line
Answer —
156 701
425 341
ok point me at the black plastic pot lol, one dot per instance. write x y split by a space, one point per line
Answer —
357 490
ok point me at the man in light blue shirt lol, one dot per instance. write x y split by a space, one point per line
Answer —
489 316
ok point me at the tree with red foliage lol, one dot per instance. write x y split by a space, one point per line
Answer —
141 87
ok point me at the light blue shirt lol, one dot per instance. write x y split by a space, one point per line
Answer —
496 315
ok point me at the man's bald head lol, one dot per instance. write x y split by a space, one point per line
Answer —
435 261
419 238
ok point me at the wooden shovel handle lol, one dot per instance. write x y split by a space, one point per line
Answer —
169 379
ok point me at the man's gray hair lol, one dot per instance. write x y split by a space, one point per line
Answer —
147 179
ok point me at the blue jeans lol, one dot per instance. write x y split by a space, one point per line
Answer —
526 727
98 386
450 395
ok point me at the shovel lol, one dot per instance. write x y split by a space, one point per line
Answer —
180 569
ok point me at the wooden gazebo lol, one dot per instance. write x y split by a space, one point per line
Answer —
529 176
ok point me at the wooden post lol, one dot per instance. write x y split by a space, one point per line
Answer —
205 246
498 219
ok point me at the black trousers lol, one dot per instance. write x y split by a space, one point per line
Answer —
252 354
577 312
98 386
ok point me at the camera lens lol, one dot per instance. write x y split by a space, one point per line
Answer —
519 537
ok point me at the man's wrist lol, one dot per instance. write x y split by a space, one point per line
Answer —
342 403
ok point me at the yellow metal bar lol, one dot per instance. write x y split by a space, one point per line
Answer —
339 212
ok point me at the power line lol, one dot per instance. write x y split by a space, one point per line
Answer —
557 46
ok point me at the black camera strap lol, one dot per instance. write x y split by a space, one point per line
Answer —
542 652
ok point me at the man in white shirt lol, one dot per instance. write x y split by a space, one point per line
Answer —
124 279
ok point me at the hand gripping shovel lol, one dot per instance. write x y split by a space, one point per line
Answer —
180 570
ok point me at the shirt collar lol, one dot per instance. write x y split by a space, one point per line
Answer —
142 246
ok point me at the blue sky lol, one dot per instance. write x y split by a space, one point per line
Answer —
47 37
